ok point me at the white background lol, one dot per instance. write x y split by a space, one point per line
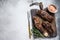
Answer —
13 19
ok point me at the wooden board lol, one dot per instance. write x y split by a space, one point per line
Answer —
33 13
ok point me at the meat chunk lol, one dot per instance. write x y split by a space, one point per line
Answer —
37 23
45 15
37 20
48 27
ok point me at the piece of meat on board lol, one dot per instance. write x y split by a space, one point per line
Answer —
48 27
38 25
45 15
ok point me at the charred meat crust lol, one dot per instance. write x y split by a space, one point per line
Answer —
37 23
48 26
45 15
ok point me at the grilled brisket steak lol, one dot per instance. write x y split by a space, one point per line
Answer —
38 25
47 26
45 15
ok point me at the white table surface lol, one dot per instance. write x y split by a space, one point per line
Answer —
13 19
